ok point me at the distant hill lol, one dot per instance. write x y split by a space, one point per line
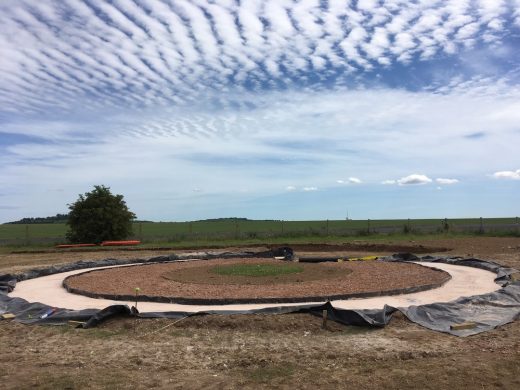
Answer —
222 219
58 218
234 219
62 218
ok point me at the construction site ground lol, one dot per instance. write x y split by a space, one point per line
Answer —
254 351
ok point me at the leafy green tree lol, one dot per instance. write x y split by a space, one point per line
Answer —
99 216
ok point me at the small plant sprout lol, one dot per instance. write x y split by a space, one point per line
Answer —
137 289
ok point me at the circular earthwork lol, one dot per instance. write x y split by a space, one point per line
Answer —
208 282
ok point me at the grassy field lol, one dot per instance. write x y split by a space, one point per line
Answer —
207 231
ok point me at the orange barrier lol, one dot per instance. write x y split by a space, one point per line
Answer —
120 243
64 246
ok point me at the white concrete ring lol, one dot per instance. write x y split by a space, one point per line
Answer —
465 281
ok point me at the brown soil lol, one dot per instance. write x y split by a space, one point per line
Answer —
369 247
259 351
195 281
350 246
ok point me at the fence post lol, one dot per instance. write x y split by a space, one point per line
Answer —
282 225
141 231
517 227
368 226
236 230
26 234
327 228
481 229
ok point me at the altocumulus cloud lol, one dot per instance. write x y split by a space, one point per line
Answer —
148 52
225 96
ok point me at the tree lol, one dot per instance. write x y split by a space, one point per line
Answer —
99 216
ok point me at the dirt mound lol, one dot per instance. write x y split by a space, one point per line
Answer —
367 247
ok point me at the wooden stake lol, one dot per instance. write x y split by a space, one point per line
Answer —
463 326
325 315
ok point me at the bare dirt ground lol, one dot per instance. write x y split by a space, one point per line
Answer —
257 351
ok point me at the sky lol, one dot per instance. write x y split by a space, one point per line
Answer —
274 109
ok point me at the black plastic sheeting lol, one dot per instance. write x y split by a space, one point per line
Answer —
375 318
39 313
485 311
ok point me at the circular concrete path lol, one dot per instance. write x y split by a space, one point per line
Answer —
465 281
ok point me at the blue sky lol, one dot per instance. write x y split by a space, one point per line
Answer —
274 109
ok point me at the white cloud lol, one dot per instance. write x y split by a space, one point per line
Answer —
310 189
444 181
290 188
367 5
350 180
513 175
468 31
414 179
516 12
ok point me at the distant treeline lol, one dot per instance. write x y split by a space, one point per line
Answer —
58 218
62 218
222 219
234 219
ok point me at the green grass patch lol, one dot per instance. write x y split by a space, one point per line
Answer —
257 269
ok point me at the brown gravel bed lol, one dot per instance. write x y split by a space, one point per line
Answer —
204 274
366 278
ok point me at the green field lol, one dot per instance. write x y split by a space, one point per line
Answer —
175 232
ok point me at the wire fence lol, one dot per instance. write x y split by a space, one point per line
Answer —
148 232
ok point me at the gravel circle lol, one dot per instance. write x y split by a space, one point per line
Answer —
347 280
